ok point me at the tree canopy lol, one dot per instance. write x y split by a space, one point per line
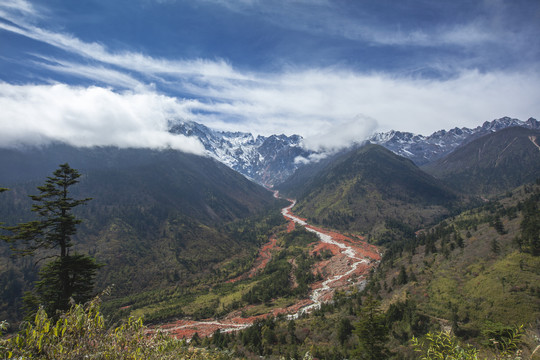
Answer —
68 275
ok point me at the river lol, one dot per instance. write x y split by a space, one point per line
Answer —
351 260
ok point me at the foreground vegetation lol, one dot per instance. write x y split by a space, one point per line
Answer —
82 333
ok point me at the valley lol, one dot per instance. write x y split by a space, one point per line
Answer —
348 263
205 254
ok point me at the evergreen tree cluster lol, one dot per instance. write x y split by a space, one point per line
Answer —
529 238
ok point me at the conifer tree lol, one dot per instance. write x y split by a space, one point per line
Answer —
344 330
498 225
371 331
68 275
402 278
530 227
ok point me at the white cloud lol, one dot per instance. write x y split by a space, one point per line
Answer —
196 69
333 19
342 134
15 7
312 102
96 73
94 116
318 103
316 157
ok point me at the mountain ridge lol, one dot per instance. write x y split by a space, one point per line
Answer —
270 160
363 188
492 163
425 149
266 160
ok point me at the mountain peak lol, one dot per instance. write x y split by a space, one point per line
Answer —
270 160
425 149
266 160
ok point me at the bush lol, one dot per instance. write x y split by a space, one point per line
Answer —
442 345
81 333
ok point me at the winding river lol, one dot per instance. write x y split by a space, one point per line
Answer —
349 265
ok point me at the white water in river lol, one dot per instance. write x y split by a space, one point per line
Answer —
317 294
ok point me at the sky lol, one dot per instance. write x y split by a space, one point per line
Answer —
101 72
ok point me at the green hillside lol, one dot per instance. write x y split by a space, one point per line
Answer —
367 187
158 219
469 275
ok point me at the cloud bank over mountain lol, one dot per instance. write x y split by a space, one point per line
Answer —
40 114
309 68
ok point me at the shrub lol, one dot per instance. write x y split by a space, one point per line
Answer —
81 333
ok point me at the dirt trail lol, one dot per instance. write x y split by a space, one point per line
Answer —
349 264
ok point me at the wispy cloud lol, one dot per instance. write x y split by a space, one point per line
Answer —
98 73
196 68
127 60
333 19
18 7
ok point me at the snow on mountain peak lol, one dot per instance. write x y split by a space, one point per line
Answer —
267 160
271 159
423 149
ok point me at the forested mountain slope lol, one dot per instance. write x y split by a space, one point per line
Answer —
157 218
475 274
366 187
493 163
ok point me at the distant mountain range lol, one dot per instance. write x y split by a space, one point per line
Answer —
166 219
425 149
493 163
271 160
266 160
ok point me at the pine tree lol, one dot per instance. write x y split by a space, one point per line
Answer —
530 228
372 332
498 225
68 275
344 330
402 278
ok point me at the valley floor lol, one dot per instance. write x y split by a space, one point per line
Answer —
347 262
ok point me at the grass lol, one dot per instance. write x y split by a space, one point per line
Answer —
213 297
475 286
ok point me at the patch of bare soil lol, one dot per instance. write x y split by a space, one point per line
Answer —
350 262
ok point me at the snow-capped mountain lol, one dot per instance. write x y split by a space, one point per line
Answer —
267 160
425 149
270 160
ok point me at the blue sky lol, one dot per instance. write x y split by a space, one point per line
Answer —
101 72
